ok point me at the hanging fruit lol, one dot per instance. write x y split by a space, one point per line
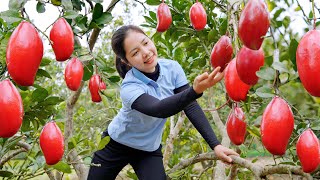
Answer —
62 39
221 53
308 151
94 87
253 24
11 109
52 143
198 16
236 126
73 74
236 89
102 85
24 54
164 18
248 63
276 126
308 64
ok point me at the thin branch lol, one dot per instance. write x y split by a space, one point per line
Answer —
220 5
5 159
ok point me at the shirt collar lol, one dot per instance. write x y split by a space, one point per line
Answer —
139 75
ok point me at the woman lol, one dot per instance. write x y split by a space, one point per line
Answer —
152 90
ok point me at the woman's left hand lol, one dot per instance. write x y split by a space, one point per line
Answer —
222 153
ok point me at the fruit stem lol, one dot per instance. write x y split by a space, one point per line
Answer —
314 16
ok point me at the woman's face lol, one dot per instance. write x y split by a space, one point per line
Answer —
140 52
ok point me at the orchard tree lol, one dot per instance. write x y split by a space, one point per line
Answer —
270 81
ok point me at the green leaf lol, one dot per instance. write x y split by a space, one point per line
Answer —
53 100
280 67
178 54
62 167
10 16
41 7
211 35
39 94
292 52
268 60
103 142
4 173
97 11
43 73
67 4
71 14
105 18
114 79
16 4
266 73
254 160
153 15
254 131
88 71
264 92
277 13
286 21
45 61
153 2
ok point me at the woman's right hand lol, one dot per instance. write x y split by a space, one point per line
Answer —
205 80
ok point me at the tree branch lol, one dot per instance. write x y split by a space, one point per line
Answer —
5 159
80 168
172 136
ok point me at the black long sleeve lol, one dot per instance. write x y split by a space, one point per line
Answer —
199 120
184 99
166 107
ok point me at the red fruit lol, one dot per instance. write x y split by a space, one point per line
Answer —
221 53
94 87
62 39
308 151
248 63
24 54
73 74
236 89
236 127
308 62
11 109
253 24
276 126
198 16
102 85
52 143
164 17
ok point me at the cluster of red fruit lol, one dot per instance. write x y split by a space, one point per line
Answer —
23 58
240 74
197 15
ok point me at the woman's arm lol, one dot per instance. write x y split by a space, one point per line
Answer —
197 117
167 107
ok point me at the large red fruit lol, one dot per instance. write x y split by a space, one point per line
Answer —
11 109
253 24
308 62
24 54
52 143
221 53
248 63
164 17
94 87
276 126
73 74
62 39
308 151
236 126
198 16
236 89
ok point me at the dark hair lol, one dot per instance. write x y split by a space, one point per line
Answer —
117 43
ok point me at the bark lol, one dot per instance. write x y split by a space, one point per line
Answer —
5 159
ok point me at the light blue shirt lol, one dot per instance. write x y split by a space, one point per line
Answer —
133 128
